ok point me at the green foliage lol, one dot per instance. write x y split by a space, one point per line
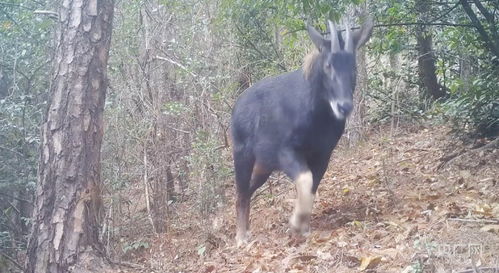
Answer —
201 250
465 66
135 245
475 108
174 108
24 80
23 87
271 35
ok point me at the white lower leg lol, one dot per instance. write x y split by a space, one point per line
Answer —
304 203
242 236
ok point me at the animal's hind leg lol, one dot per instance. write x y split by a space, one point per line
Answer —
297 169
243 164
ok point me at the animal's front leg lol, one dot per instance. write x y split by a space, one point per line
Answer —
300 219
242 210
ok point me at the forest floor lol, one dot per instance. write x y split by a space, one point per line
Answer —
421 200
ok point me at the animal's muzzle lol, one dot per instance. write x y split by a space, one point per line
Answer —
345 108
341 109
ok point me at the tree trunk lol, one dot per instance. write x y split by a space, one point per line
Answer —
426 66
426 58
68 203
356 122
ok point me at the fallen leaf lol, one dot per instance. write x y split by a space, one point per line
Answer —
350 261
389 253
484 209
490 228
341 244
409 269
306 258
209 268
322 237
369 262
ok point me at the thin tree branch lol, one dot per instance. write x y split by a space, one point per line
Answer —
484 11
489 17
16 198
392 25
447 12
258 51
15 23
176 63
10 259
424 24
51 14
481 30
14 5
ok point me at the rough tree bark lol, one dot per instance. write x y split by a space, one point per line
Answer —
67 209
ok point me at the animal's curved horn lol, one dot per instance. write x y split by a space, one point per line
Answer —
349 46
335 43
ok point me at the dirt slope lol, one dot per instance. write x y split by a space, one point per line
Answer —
418 201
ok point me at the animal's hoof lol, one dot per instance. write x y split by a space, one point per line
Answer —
242 239
300 223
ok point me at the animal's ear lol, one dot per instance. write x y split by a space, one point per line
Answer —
361 36
316 37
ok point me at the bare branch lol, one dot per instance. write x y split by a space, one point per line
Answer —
16 198
175 63
51 14
490 19
424 24
12 260
481 30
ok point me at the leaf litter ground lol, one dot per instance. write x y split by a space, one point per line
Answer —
418 201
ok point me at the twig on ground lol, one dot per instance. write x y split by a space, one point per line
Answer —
484 221
481 269
128 264
448 159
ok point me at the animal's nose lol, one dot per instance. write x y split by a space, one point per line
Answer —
345 107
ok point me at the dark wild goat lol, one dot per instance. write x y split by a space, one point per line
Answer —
293 121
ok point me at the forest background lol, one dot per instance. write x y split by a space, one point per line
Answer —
176 68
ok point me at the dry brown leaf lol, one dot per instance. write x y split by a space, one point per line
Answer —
209 268
322 237
369 262
490 228
389 252
484 209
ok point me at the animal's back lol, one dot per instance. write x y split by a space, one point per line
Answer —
269 106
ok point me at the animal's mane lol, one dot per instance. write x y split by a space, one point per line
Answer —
308 63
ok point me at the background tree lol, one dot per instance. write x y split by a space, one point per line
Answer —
24 54
67 209
426 58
